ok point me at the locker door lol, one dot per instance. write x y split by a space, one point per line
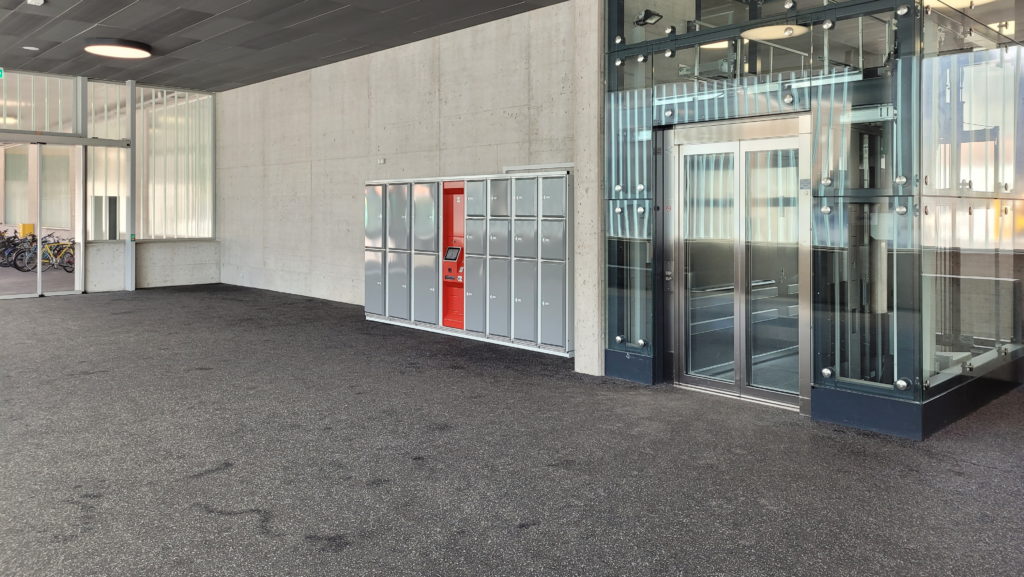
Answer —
552 303
424 214
553 196
552 239
499 295
476 294
476 236
373 295
499 243
525 239
526 197
398 216
398 285
500 197
424 300
524 302
476 198
374 217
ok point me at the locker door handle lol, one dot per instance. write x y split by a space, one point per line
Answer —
494 237
519 300
545 239
545 303
431 289
469 294
494 297
519 238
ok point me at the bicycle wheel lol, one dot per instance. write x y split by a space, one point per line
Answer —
23 259
67 261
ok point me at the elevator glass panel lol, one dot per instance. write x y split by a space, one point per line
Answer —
771 184
710 282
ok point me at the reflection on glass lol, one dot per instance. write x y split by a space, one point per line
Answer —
772 182
630 304
709 193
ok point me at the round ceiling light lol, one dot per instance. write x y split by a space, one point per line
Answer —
716 45
775 32
117 48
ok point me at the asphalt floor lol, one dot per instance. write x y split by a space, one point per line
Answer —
225 431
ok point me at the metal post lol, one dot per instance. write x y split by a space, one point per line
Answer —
129 246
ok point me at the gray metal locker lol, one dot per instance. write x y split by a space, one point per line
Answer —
552 239
424 217
424 286
524 239
499 239
552 303
553 196
476 294
499 199
476 236
499 297
476 198
373 221
399 223
524 301
526 197
373 294
398 285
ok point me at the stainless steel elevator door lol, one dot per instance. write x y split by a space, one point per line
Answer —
739 246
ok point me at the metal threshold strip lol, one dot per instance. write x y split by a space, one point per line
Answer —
795 407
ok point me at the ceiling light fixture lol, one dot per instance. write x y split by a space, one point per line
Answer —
30 48
647 17
775 32
118 48
716 45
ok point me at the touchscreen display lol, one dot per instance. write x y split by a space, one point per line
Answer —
452 253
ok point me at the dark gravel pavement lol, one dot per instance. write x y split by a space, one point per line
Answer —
227 431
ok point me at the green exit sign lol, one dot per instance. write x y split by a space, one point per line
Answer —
1 72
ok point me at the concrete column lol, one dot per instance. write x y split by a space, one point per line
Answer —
589 158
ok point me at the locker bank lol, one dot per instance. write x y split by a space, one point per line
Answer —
482 257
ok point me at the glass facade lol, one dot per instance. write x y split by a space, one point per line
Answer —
915 230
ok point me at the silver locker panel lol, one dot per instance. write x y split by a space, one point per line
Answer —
398 285
499 197
424 217
553 195
499 297
476 236
524 301
552 303
398 217
524 238
526 197
373 295
476 294
552 239
424 286
373 221
476 198
499 238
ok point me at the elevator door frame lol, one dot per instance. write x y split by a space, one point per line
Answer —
740 138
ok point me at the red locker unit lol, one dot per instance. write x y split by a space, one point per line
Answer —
452 266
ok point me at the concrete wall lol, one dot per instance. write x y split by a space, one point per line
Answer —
176 262
104 266
293 153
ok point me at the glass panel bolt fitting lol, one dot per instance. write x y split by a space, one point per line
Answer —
788 99
902 384
827 373
789 4
901 210
828 24
619 339
826 210
902 10
900 180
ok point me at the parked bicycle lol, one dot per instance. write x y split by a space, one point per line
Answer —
25 254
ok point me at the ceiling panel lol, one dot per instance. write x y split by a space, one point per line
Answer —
222 44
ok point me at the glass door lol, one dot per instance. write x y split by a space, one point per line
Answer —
771 182
39 223
740 237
